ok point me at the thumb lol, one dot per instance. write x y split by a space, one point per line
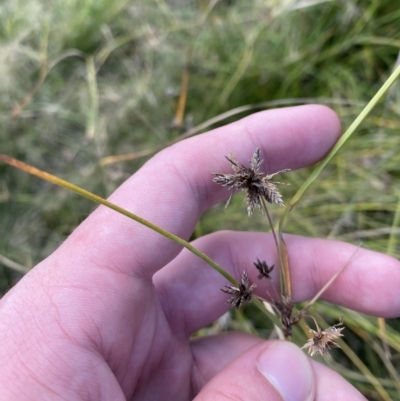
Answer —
272 371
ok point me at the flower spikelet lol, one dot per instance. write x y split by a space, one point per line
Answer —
241 295
258 185
284 309
322 341
263 269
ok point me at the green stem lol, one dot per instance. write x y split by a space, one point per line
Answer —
284 272
356 123
80 191
270 223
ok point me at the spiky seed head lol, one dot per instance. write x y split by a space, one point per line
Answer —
258 185
240 295
322 341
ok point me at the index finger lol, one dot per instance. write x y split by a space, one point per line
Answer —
174 187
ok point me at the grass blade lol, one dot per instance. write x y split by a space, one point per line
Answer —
357 122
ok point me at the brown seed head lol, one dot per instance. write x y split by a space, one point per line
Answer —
284 309
263 269
241 295
322 341
257 185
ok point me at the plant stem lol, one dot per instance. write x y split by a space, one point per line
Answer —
270 223
331 280
284 271
80 191
356 123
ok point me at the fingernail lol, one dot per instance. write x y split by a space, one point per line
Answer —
287 368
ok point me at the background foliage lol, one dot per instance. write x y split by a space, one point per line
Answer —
85 80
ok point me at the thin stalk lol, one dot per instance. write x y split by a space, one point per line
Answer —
353 127
315 322
392 239
286 283
13 265
80 191
93 91
331 280
284 271
264 205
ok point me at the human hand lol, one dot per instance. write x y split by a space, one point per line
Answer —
109 314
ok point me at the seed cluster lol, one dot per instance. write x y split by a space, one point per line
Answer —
323 340
259 187
240 295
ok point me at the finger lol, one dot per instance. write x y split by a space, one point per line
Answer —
230 362
175 187
271 371
330 385
189 290
213 353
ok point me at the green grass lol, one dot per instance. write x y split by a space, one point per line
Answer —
104 79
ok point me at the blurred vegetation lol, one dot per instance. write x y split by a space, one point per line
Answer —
85 80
